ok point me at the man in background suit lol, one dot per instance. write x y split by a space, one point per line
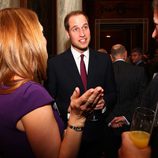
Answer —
130 82
64 76
136 57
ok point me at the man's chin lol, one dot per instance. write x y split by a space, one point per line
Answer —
82 49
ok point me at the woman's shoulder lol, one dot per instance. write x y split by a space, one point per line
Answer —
34 90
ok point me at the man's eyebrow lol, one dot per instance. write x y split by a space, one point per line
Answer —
78 26
74 26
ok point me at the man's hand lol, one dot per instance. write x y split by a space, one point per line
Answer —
118 122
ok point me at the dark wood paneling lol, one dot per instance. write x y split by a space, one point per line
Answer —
117 9
23 3
131 32
120 9
46 11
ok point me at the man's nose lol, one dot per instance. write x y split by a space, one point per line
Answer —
81 32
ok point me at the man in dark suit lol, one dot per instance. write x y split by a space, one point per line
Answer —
130 82
64 75
137 59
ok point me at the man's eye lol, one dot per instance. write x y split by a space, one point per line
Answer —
86 27
75 30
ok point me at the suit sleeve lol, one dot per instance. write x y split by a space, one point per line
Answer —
110 87
142 82
150 95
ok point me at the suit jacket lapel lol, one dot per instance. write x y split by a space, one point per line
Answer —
91 67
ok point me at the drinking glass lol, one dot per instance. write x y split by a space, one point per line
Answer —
93 116
141 126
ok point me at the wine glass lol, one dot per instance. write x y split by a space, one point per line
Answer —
93 116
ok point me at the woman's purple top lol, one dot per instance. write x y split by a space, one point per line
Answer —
13 106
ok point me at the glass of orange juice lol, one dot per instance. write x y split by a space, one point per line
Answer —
141 126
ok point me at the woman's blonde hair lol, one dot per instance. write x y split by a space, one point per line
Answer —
22 48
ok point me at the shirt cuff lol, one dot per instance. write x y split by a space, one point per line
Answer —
103 110
127 122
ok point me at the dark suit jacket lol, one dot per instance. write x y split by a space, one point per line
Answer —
150 100
63 77
150 95
130 82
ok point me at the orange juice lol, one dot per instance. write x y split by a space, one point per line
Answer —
140 138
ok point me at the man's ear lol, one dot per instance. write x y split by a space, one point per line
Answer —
125 55
67 34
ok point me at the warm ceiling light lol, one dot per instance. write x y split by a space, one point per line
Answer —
108 36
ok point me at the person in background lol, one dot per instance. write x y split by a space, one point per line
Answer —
127 146
136 57
29 127
130 84
64 74
102 50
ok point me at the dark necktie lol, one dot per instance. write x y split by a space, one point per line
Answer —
83 72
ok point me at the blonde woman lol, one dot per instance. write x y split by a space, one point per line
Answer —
29 127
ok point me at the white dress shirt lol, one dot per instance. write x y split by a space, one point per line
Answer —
77 58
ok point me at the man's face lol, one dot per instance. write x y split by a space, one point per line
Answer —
135 57
155 32
79 32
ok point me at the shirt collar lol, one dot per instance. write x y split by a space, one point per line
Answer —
77 54
140 61
119 60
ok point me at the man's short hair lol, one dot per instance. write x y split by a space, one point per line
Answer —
69 15
117 49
